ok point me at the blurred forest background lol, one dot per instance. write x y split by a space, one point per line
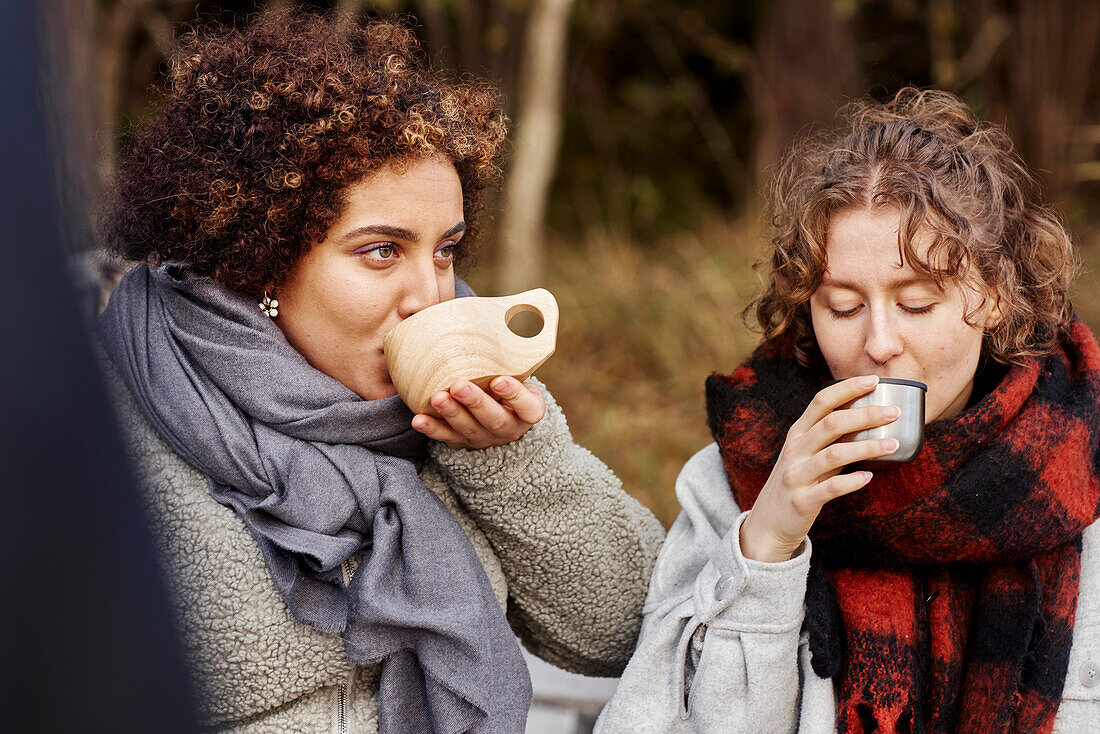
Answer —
642 131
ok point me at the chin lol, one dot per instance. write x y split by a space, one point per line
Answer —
379 392
373 389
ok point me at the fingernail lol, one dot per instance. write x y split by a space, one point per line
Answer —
868 380
891 445
500 385
462 391
419 424
891 411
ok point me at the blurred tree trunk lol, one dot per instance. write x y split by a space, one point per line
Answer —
1050 70
467 14
537 135
482 37
805 66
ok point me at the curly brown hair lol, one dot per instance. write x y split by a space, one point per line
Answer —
263 128
950 176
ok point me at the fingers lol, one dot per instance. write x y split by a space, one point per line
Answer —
438 430
830 460
841 484
831 398
807 474
522 397
472 418
470 412
847 421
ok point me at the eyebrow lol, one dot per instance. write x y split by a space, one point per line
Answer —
398 233
894 284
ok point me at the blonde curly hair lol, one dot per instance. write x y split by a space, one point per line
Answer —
953 178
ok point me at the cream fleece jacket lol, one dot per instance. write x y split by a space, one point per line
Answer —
568 553
721 648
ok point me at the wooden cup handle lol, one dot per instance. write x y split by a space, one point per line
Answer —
538 301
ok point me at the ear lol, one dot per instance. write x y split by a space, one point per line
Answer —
993 314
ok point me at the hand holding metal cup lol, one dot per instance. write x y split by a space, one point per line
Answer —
908 429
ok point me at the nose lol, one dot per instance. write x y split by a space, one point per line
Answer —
883 340
421 288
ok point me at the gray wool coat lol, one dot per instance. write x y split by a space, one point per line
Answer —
568 552
721 648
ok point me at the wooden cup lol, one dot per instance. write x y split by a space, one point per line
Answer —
467 339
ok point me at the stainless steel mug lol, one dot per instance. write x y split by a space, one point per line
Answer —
908 429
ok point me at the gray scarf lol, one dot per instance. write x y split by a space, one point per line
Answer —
318 474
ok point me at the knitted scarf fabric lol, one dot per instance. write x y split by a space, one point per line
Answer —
943 593
318 474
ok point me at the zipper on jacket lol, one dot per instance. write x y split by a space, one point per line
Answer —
346 569
342 710
343 694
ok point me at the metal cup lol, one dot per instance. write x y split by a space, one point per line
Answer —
908 429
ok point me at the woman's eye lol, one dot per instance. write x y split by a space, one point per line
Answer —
837 313
379 252
916 310
447 251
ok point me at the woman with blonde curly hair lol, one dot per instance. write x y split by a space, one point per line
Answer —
806 587
337 562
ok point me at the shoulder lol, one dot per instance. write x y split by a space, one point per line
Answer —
704 490
154 462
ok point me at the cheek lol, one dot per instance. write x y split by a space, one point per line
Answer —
354 313
838 346
949 364
376 318
953 350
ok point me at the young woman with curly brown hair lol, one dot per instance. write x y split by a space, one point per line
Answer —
805 590
338 563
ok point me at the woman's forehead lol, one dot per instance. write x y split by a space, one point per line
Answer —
865 247
878 234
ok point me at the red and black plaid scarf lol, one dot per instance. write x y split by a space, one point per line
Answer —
943 594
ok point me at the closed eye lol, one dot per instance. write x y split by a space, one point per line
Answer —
916 310
845 314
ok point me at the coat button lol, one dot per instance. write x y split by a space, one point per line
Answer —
725 586
1089 673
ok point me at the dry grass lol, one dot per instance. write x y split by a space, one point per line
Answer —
642 328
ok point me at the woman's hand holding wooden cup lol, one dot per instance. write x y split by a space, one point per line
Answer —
807 473
475 419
